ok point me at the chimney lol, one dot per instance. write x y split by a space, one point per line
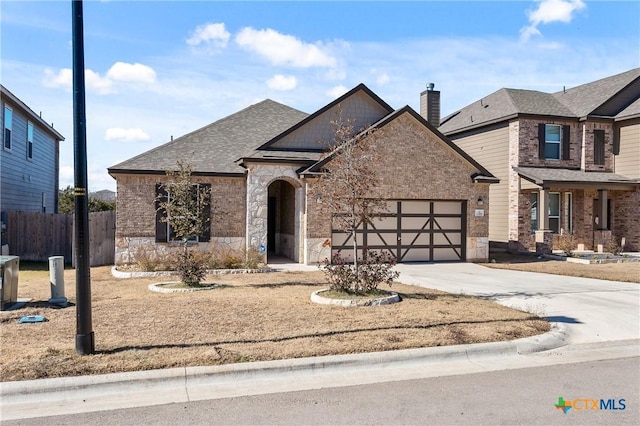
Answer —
430 105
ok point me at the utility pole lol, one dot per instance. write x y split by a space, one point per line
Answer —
84 334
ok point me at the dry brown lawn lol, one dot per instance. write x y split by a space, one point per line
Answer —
629 271
248 317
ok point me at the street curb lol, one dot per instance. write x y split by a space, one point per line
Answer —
37 390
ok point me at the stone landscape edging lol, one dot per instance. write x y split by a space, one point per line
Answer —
393 297
159 288
138 274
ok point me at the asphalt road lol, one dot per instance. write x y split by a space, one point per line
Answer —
520 396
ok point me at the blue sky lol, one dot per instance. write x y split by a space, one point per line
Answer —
161 69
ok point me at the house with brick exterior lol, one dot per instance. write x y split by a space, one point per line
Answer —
568 162
261 162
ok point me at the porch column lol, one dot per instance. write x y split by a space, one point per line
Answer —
602 210
544 236
256 225
543 209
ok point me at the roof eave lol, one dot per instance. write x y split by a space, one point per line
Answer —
113 172
46 126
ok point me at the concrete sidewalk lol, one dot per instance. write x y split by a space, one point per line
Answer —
598 318
593 310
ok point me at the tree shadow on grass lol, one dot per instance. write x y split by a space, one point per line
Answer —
310 335
285 284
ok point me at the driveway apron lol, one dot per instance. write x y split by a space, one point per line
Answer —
592 310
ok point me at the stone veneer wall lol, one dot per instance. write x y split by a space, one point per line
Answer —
136 217
259 177
417 165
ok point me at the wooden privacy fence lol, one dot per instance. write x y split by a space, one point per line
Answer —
37 236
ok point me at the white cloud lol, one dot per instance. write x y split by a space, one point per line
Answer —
282 49
128 135
336 92
119 72
64 79
383 78
60 79
282 82
100 85
131 73
550 11
212 35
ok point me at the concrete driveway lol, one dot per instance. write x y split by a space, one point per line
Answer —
592 310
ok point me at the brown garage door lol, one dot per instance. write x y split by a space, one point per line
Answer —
412 231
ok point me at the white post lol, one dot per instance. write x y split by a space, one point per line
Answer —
56 279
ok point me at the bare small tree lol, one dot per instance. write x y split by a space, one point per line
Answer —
349 179
186 209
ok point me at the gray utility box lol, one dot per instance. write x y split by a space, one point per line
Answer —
9 268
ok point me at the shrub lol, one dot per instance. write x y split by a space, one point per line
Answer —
192 267
373 270
567 243
613 245
232 261
149 259
253 259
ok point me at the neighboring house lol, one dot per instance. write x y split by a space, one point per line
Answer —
29 158
260 162
568 162
104 195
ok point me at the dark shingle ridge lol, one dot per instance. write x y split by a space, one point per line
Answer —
577 102
215 147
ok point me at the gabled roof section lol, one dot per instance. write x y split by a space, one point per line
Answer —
632 111
607 97
31 115
482 175
360 104
604 97
213 149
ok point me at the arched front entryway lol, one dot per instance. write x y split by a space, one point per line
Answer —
281 221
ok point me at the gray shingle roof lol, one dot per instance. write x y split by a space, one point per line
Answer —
587 98
541 176
216 147
577 102
631 111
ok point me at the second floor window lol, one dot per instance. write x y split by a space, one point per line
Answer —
552 142
30 140
598 147
8 119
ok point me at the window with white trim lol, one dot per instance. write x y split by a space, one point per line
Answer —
8 120
552 143
554 212
29 140
568 212
534 212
